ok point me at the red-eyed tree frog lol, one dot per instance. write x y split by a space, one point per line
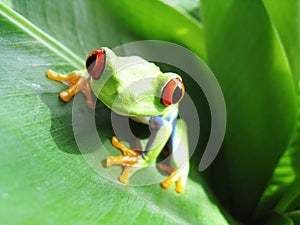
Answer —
116 81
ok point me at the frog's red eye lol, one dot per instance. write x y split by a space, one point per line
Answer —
95 63
173 92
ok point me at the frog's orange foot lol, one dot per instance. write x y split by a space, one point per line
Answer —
128 159
176 178
77 83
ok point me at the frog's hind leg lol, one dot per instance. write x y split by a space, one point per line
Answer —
78 82
179 158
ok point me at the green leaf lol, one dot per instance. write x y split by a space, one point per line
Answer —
285 183
191 7
167 23
284 16
295 216
274 218
244 52
44 178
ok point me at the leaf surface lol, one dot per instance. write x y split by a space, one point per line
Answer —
246 55
44 178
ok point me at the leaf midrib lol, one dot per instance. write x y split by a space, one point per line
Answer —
41 36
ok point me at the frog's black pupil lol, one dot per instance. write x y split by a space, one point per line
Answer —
90 62
176 95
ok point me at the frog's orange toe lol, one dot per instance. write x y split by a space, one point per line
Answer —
53 75
65 96
179 188
176 178
49 73
109 162
167 183
124 179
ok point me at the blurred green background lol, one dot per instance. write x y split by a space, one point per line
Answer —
252 47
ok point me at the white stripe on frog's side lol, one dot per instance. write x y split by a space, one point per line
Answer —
141 119
170 115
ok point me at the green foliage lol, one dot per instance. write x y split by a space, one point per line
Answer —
252 69
253 48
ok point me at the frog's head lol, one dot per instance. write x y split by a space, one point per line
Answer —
131 85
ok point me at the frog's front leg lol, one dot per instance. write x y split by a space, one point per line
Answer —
78 82
134 160
128 159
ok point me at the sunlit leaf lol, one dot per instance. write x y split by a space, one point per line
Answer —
285 183
249 62
284 16
191 7
183 30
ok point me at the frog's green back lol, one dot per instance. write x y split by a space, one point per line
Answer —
131 86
